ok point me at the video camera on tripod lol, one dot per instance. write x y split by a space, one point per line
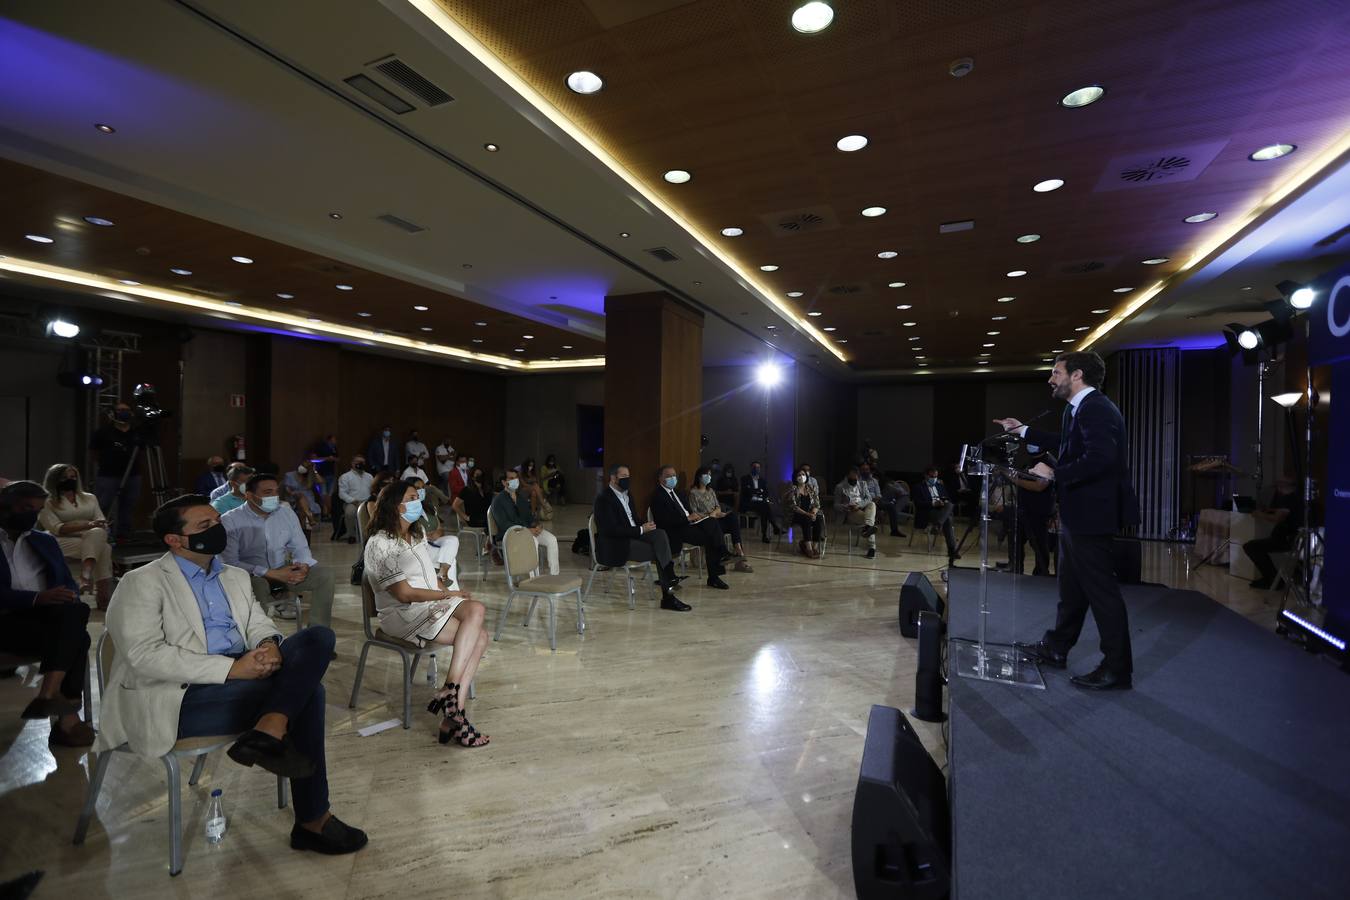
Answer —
146 416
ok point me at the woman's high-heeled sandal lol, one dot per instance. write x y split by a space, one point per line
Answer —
461 732
450 698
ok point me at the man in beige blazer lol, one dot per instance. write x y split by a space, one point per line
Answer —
195 655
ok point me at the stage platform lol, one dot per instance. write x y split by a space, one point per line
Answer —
1225 772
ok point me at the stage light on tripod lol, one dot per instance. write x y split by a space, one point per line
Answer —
768 375
62 329
1302 298
1249 339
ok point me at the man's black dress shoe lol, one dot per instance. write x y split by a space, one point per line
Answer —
1044 654
1102 679
336 838
871 552
674 604
254 748
715 582
40 708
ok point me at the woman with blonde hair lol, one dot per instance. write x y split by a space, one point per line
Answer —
74 518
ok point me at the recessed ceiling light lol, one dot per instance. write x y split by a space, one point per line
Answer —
923 363
794 293
915 349
1028 238
909 324
1100 311
233 303
1199 217
771 327
106 129
344 287
1082 328
896 284
426 327
481 324
998 318
905 306
365 315
335 215
873 211
916 338
555 358
1156 260
285 296
1017 273
477 340
585 82
850 143
887 254
177 271
1067 341
243 260
127 281
842 341
696 283
1049 184
732 231
39 238
982 370
992 333
466 265
920 357
567 346
986 353
1084 96
528 337
420 308
312 319
814 313
1273 151
1122 290
830 328
491 148
624 234
520 350
990 344
100 221
768 268
1006 299
812 17
677 176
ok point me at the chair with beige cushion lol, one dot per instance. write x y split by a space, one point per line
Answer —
628 569
521 555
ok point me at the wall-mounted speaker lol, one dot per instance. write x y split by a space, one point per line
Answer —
916 596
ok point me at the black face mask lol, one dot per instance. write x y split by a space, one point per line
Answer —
755 471
852 481
357 467
220 469
211 541
20 521
122 416
67 484
625 484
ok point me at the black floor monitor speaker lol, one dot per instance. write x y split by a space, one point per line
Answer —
916 596
901 821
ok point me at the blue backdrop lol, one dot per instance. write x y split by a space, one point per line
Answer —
1330 345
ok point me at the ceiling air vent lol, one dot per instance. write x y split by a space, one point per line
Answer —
1167 165
843 289
800 221
1333 237
402 224
375 91
662 254
807 221
1083 268
406 77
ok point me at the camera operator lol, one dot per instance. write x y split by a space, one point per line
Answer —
112 444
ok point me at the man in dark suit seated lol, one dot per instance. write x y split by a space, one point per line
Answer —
621 535
1096 499
755 499
933 506
212 478
670 512
41 613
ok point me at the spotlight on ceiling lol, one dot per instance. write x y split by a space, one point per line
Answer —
99 221
1272 151
851 142
732 231
62 329
1049 184
813 17
1084 96
768 375
677 176
873 211
106 129
585 82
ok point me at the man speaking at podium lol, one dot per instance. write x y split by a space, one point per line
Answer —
1095 500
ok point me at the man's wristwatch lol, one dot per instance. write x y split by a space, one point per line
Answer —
271 639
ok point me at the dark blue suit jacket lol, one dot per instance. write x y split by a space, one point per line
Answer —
377 459
206 483
58 573
923 501
1092 477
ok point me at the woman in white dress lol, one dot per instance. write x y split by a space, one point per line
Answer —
412 605
74 518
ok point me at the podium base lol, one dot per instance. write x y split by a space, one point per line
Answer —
995 662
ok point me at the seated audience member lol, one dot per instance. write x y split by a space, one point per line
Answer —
235 471
74 518
195 655
447 545
445 461
671 513
703 501
896 492
619 538
471 506
212 478
433 499
532 488
413 470
234 497
298 488
811 479
113 443
728 488
264 539
353 490
1286 512
512 507
755 499
414 607
415 452
459 476
932 506
868 482
41 613
383 453
552 481
366 511
857 508
802 503
326 452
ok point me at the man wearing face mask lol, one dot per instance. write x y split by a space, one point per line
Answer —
196 655
41 613
414 451
755 499
113 443
445 462
512 507
670 511
212 478
235 470
264 538
621 535
853 501
233 496
932 506
459 475
383 453
353 490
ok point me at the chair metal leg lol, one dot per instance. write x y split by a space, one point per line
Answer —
501 620
360 673
172 776
282 785
529 613
581 614
473 691
407 690
197 765
98 662
89 696
590 581
101 764
632 590
412 670
552 623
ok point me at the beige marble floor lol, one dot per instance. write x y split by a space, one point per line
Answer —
706 754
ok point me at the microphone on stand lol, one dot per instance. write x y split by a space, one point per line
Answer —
1011 435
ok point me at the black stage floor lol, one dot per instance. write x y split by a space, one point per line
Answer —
1225 773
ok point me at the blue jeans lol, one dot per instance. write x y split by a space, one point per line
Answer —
295 691
105 489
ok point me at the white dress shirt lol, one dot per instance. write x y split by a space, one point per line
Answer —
354 486
26 572
414 450
623 501
676 497
257 542
444 465
414 472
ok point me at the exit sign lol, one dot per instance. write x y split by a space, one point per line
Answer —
236 401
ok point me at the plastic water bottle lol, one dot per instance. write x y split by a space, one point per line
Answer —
431 669
215 819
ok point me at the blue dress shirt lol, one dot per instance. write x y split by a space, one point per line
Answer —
222 634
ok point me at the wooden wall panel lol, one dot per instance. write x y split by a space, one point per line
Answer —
305 402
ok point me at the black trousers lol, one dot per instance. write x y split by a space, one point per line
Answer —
762 509
942 515
1259 552
892 511
731 524
1034 530
295 690
57 633
1087 581
706 534
810 525
654 545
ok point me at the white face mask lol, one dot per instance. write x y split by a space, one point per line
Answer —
300 470
801 479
